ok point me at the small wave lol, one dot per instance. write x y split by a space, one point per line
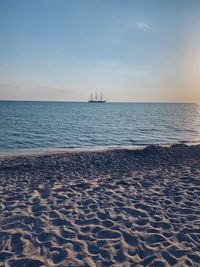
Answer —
137 125
71 149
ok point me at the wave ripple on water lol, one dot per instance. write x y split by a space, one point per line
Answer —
51 125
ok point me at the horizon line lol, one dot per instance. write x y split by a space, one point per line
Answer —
82 101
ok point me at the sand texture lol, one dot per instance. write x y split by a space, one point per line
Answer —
109 208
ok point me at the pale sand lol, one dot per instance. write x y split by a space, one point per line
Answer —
111 208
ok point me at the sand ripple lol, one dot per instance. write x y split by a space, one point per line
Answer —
116 208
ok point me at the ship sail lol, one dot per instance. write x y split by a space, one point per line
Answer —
96 99
91 97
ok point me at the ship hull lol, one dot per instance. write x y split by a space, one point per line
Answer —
93 101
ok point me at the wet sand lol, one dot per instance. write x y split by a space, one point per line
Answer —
105 208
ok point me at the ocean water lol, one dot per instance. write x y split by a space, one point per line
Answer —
55 125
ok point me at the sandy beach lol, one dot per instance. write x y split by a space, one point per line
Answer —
104 208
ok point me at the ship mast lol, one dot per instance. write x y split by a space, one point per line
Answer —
96 96
101 97
91 97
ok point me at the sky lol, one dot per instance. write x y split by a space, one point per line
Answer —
131 50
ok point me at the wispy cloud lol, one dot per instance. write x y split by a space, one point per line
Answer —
16 91
142 25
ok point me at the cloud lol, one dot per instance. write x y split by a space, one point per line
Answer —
27 92
142 25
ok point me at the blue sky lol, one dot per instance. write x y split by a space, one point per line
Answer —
131 50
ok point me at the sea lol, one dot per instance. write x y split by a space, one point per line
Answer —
46 126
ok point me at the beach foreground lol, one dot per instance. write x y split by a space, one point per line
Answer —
108 208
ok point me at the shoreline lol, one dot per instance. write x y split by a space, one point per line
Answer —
56 151
105 208
11 153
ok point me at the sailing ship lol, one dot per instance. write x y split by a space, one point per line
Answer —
96 99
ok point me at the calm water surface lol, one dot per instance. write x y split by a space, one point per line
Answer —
36 125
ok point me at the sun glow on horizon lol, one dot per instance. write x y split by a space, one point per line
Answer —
135 51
